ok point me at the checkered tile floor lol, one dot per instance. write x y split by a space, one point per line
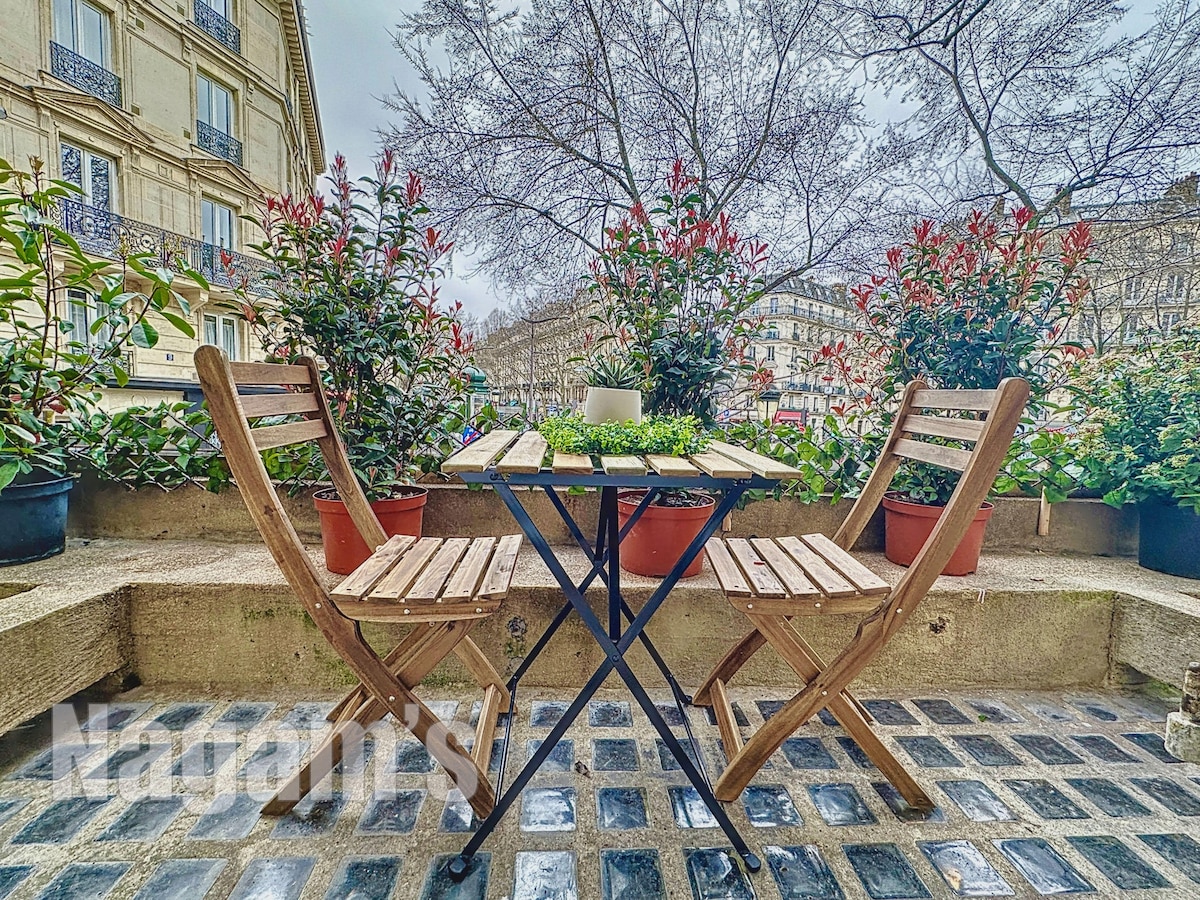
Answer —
1038 795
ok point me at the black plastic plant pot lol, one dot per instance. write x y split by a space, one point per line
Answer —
1169 539
33 519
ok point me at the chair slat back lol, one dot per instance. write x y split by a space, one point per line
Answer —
241 444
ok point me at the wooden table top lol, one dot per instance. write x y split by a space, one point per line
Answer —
513 452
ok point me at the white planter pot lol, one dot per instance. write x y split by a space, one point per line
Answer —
612 405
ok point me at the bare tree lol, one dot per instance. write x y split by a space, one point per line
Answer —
541 126
1044 102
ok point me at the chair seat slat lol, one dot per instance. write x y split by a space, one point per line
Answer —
467 576
729 576
395 584
945 427
785 569
288 433
359 583
434 576
934 454
823 575
761 578
855 572
500 570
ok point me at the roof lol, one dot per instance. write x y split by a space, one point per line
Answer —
296 32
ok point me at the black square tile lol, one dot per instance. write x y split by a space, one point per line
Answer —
884 871
1180 850
739 715
928 752
59 822
473 886
273 760
1108 797
145 819
11 877
689 809
631 875
827 718
203 759
670 713
113 716
900 808
1048 750
1120 865
1045 799
457 816
986 750
942 712
129 762
977 801
181 879
965 869
391 812
1094 710
364 878
1043 867
79 880
801 873
229 817
277 877
614 755
412 759
1050 712
181 716
560 759
1152 744
621 808
808 753
715 872
57 762
538 874
667 760
546 713
1169 794
307 716
840 804
769 805
857 755
243 716
768 708
889 712
1102 748
548 809
10 806
355 755
609 714
313 816
994 711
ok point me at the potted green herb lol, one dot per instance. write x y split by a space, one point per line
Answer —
675 290
613 391
1140 443
356 284
960 307
66 321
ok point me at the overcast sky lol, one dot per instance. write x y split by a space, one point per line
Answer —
356 64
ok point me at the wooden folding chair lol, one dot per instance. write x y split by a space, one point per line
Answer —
771 581
440 587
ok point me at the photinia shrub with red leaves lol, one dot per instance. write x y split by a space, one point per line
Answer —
356 284
674 292
964 307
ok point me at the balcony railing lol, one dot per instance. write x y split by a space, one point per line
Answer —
218 26
84 74
108 235
218 143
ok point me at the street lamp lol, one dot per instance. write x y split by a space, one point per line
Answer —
769 396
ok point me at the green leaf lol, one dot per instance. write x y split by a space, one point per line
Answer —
179 322
120 375
143 334
8 472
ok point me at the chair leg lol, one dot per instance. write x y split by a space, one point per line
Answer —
353 700
729 666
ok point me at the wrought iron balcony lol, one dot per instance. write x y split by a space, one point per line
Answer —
218 143
108 235
84 74
218 26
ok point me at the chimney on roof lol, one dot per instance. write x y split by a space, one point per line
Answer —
1185 189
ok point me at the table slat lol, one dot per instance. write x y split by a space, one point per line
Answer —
623 465
672 466
718 465
525 456
478 455
760 465
572 464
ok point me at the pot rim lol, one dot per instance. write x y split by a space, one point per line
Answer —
410 492
639 493
46 487
891 500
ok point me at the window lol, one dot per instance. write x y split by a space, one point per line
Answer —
83 313
82 29
774 305
214 105
1129 329
771 353
1169 322
221 7
223 332
216 225
1181 245
1135 289
94 173
1177 286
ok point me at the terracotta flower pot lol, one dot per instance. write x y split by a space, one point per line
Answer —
661 534
908 525
345 550
612 405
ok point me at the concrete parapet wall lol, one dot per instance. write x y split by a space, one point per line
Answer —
105 510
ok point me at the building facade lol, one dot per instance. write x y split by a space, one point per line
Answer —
175 117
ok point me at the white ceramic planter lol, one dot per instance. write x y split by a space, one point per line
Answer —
612 405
